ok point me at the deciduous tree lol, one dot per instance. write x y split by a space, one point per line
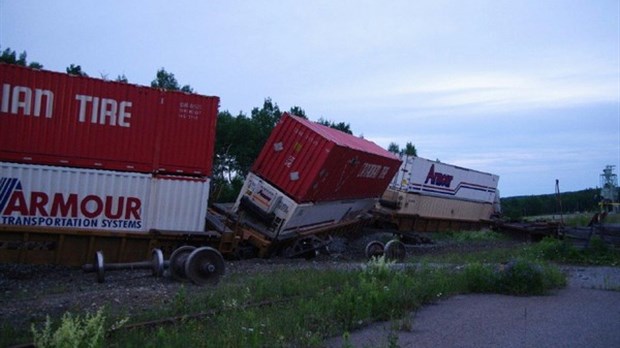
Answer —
394 148
166 80
341 126
75 70
10 57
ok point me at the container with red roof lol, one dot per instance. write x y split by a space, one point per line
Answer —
311 162
309 176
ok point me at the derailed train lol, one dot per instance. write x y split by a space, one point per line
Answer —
88 165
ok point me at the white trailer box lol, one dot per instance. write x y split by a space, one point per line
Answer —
278 216
426 177
74 198
438 208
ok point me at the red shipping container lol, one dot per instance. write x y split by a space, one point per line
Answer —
314 163
59 119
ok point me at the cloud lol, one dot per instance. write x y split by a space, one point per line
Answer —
477 93
510 91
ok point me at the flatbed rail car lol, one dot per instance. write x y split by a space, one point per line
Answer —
430 196
76 247
62 215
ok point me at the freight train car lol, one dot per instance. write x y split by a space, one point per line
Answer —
428 195
308 177
92 167
88 165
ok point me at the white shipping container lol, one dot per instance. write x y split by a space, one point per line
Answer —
68 198
426 177
434 207
280 217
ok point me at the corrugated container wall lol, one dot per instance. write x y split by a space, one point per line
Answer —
59 119
312 163
73 198
442 208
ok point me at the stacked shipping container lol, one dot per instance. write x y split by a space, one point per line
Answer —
309 175
152 151
435 190
59 119
65 197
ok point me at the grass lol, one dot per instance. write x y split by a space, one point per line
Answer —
574 219
304 307
496 255
73 331
549 249
519 277
307 307
476 236
598 253
466 236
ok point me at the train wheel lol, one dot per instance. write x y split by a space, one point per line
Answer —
307 247
395 250
178 260
374 249
157 262
204 266
100 266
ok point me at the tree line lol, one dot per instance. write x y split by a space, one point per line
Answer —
515 208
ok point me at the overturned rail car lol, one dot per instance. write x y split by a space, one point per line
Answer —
430 196
309 177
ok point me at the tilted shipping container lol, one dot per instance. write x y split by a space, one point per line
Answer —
279 217
59 119
313 163
432 178
73 198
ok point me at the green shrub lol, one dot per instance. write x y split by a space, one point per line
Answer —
521 277
73 331
480 278
518 277
552 249
378 267
597 252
